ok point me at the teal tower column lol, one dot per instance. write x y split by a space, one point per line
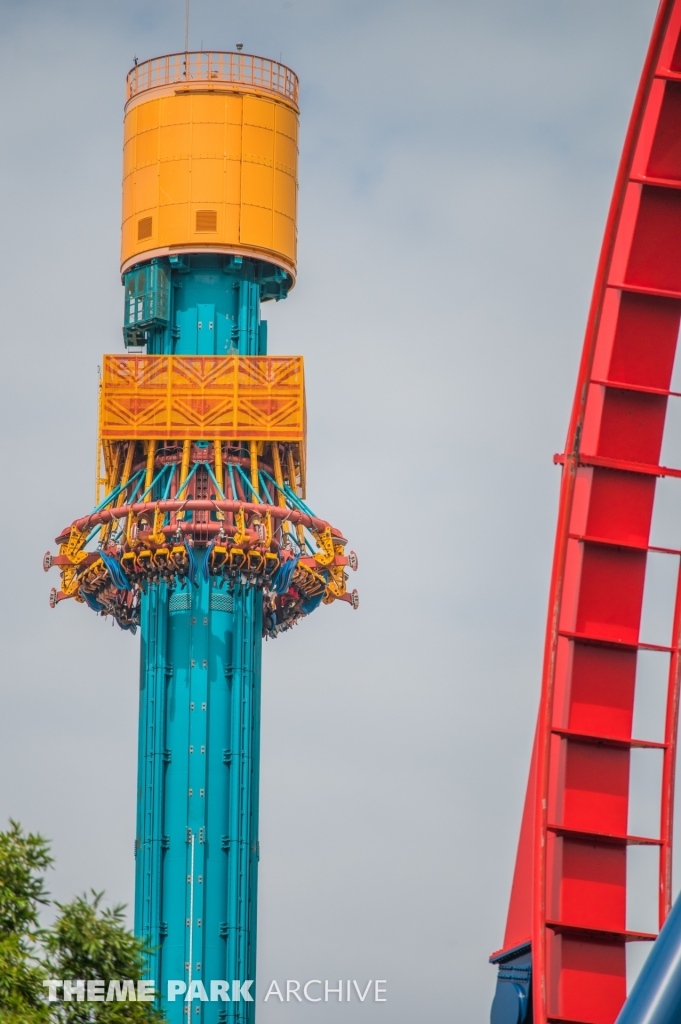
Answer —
197 822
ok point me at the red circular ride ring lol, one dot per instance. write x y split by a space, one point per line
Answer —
138 509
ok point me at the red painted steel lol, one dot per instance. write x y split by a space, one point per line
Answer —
570 885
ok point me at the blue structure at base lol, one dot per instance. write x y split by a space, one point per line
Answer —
512 1002
656 995
199 736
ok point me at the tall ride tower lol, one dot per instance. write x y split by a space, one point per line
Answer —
201 535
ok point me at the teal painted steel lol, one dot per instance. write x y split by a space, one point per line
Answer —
199 723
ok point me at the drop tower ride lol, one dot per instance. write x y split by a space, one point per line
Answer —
201 536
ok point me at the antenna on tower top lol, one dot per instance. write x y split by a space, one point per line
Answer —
186 26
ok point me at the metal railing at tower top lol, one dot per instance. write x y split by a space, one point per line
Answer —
236 68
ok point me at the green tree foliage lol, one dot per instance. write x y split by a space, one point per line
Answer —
23 859
86 941
91 942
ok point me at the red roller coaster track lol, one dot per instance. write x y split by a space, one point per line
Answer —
569 896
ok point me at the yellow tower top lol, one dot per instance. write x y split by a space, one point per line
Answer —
210 158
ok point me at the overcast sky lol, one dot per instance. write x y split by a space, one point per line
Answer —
456 163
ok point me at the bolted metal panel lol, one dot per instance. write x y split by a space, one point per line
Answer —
210 169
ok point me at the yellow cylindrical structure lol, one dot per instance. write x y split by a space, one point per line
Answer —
210 159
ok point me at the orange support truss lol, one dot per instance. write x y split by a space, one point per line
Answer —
246 398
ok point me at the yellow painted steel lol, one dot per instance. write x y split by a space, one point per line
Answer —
128 463
184 472
112 459
217 448
149 475
255 483
294 487
210 168
279 477
112 464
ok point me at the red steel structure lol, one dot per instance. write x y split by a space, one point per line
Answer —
566 926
